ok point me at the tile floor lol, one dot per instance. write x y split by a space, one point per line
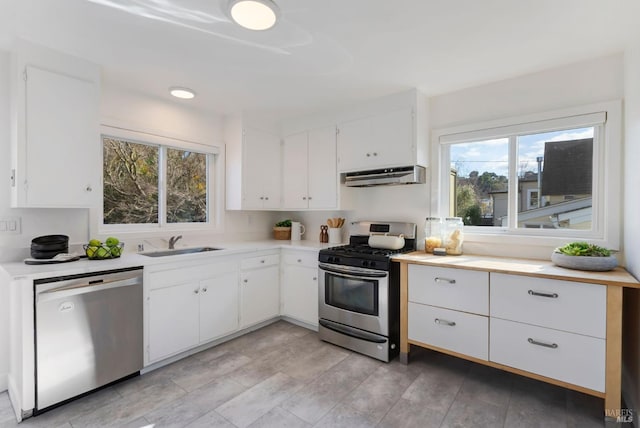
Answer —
283 376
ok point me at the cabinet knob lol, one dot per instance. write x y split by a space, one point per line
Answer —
375 154
266 198
204 290
261 261
315 278
196 291
309 198
246 280
299 260
368 154
88 188
262 198
304 198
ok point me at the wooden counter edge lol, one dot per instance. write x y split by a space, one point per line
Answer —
618 277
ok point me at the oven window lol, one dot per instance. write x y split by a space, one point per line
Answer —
356 295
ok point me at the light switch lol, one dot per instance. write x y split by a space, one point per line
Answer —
10 225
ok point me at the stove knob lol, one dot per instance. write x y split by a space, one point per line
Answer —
365 263
330 259
336 260
372 265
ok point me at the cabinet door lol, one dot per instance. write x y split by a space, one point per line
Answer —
260 294
392 139
218 306
300 293
295 172
323 174
261 170
62 157
353 140
173 319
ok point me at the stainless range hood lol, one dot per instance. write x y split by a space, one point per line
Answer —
414 174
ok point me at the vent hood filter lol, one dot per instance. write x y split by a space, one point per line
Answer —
385 177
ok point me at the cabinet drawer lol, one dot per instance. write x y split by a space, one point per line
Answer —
571 358
260 261
563 305
459 289
307 259
435 326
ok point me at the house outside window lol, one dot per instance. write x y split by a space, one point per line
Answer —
553 175
156 183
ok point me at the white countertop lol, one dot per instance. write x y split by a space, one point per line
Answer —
20 270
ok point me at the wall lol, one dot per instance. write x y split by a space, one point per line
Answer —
631 329
129 110
586 82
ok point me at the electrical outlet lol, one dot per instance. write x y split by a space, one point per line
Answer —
10 225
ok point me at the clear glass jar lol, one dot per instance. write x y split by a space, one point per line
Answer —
432 234
453 235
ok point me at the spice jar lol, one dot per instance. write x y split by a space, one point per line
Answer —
453 235
432 234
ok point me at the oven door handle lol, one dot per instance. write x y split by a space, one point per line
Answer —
351 332
356 275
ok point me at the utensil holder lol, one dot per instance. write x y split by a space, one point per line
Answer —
335 235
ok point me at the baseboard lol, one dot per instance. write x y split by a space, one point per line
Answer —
630 395
299 323
4 382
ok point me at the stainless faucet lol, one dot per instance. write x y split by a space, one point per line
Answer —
173 240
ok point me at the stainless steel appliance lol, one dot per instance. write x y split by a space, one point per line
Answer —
88 332
359 291
414 174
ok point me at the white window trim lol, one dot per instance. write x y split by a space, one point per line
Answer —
215 184
607 200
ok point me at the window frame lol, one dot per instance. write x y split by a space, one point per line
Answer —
607 185
215 183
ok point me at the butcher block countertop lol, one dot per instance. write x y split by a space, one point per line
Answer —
529 267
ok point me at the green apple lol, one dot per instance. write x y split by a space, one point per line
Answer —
111 241
95 243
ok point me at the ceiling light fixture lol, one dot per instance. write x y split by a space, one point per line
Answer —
184 93
254 14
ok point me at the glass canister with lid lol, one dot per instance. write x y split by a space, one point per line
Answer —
453 235
432 234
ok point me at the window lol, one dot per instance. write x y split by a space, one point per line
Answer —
547 174
156 182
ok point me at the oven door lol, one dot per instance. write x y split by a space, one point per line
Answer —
355 297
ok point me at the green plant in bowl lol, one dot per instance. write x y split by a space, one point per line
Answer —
284 223
584 256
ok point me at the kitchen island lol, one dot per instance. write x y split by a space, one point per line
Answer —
527 317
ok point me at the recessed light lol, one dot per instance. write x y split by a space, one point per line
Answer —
254 14
184 93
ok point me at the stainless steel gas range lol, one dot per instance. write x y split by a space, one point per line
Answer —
359 289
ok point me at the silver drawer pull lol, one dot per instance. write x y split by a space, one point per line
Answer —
546 345
447 280
541 294
444 322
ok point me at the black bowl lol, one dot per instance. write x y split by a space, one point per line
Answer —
46 254
50 247
50 239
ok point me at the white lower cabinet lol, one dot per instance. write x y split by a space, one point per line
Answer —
189 306
569 357
300 286
456 331
546 327
259 289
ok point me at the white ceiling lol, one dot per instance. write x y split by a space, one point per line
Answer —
323 53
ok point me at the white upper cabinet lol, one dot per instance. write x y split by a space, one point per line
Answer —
253 168
390 133
310 178
55 137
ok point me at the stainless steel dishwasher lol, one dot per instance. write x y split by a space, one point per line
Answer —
88 332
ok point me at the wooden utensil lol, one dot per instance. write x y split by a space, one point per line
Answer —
330 222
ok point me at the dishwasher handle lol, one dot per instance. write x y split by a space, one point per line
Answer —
64 291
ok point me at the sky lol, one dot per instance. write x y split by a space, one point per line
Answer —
493 155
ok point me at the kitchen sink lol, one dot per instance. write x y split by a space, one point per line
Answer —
194 250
